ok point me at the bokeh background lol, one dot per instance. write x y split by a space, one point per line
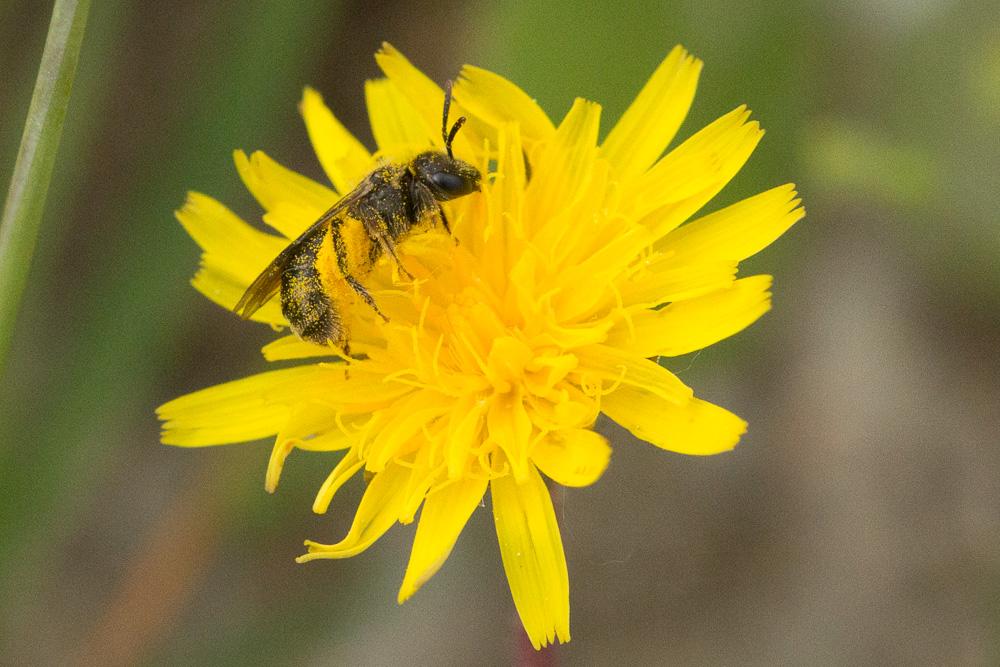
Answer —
857 523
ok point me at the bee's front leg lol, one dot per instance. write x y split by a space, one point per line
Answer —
377 226
425 204
444 221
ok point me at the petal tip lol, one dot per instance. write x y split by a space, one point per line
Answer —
310 97
406 591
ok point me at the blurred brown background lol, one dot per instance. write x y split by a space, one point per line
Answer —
858 521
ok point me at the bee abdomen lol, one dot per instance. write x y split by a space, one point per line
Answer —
304 301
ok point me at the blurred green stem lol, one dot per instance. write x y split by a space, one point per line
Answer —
22 212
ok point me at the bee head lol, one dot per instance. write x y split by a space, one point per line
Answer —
446 177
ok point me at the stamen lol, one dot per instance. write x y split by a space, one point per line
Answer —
436 357
620 308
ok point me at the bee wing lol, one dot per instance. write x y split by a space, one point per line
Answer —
267 284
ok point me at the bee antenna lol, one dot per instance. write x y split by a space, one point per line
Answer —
445 134
454 130
444 117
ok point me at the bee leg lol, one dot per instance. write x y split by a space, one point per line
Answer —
365 294
340 250
444 223
390 249
377 225
444 219
424 203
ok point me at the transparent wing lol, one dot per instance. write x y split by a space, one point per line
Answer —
267 284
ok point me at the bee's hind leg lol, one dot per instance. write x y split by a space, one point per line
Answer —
340 250
364 294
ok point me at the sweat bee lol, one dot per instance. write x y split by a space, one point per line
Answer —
317 272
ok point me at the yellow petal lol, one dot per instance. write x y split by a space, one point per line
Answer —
234 254
377 512
687 177
496 240
330 441
503 234
564 169
507 190
272 184
672 281
241 410
698 428
225 290
587 278
738 231
427 99
693 324
420 482
276 463
442 519
290 218
509 426
293 347
413 84
311 426
230 246
654 117
408 417
341 473
345 160
567 408
574 457
395 122
464 434
498 101
606 363
695 164
532 553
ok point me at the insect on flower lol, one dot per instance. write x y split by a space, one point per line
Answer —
569 284
317 272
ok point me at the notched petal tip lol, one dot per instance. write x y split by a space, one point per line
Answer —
698 428
649 124
387 48
532 553
498 101
190 202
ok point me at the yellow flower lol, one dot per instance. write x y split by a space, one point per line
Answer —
573 270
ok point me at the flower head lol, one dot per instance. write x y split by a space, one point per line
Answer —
573 269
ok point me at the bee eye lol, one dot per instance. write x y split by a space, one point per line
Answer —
449 183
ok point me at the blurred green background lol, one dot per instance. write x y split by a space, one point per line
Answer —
857 523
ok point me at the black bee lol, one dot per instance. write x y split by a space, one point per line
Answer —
318 271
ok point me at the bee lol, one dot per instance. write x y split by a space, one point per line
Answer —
318 272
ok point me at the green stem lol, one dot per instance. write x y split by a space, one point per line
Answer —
22 212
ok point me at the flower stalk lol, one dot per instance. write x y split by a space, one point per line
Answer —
29 185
